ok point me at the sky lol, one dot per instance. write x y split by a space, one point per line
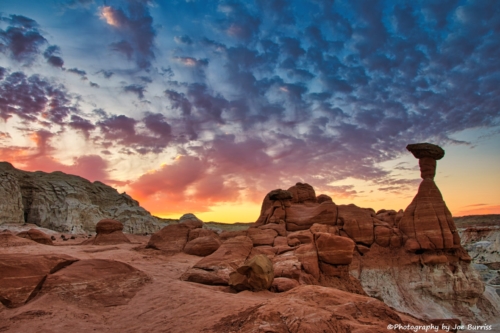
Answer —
206 106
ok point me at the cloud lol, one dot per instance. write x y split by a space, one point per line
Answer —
135 26
52 58
21 40
40 158
184 39
136 89
34 99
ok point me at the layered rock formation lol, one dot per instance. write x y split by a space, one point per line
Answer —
67 203
188 235
412 259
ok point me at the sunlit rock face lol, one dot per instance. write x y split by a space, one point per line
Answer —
67 203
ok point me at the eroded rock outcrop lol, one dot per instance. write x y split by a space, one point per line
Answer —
21 275
321 310
188 235
109 232
412 259
36 235
67 203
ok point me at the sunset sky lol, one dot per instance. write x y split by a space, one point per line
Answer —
205 106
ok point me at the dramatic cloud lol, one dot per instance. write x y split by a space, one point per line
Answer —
21 40
256 95
135 26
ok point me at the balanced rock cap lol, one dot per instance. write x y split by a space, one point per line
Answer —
421 150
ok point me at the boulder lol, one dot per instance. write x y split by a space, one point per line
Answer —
323 197
109 232
280 228
287 265
302 193
308 257
262 236
280 241
383 236
171 238
22 274
202 246
37 236
283 284
7 239
423 150
200 232
225 235
216 268
191 220
335 250
95 282
299 237
255 274
357 223
302 217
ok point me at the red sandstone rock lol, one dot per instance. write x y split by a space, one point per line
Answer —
423 150
287 265
109 232
202 246
171 238
200 232
7 239
262 236
36 235
383 236
107 226
255 274
427 221
357 223
265 250
21 274
280 241
302 217
95 282
329 229
323 197
225 235
280 228
216 268
316 309
299 237
283 284
308 257
191 221
335 250
302 193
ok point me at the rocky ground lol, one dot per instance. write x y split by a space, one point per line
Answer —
96 299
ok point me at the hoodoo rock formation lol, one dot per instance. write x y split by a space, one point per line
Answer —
67 203
109 232
411 260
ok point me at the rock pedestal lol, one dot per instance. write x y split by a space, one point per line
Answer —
427 222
